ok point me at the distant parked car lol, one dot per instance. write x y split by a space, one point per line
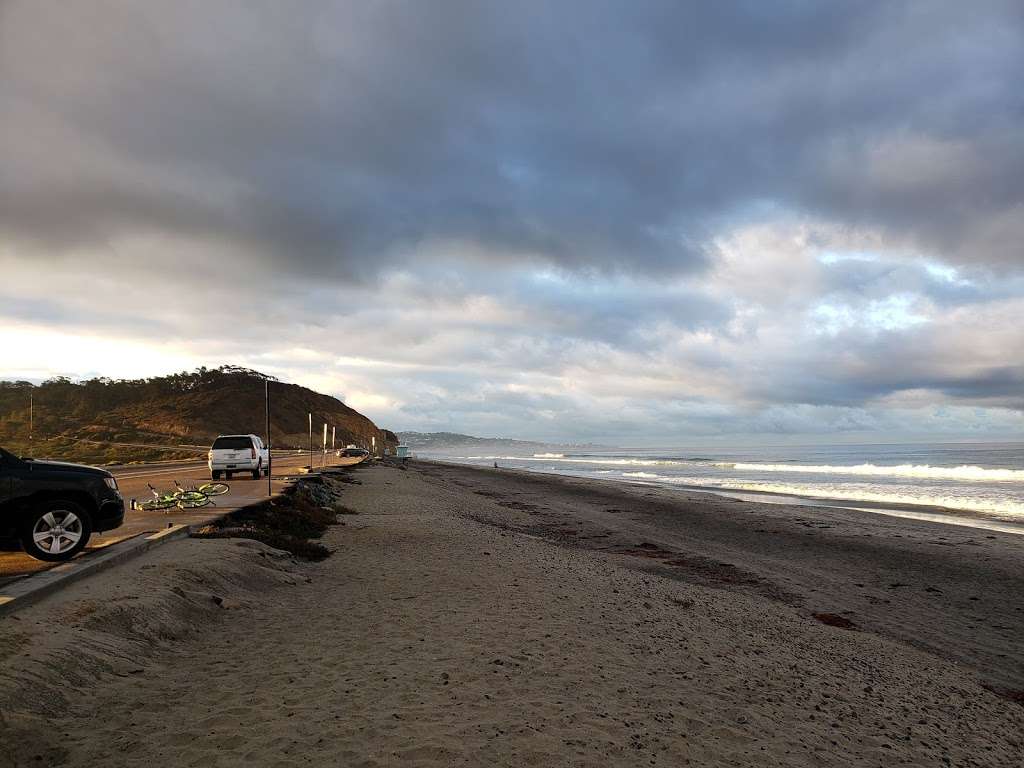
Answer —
53 507
352 452
238 453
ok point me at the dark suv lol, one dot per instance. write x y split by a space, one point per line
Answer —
54 507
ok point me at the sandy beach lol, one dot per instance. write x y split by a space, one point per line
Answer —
482 617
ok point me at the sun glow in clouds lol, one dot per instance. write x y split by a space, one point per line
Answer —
892 313
39 353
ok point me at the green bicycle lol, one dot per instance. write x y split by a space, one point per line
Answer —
159 500
207 489
184 498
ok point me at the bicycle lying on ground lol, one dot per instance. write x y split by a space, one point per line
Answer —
184 498
207 489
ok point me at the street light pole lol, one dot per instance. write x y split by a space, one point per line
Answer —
270 460
311 442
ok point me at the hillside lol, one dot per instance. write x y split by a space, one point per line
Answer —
174 416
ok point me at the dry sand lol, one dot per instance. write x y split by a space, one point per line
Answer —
447 631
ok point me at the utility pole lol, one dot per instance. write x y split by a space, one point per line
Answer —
334 431
31 417
270 460
311 442
323 454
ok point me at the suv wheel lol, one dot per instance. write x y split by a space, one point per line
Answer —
214 475
258 471
56 531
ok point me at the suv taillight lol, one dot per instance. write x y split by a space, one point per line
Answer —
253 450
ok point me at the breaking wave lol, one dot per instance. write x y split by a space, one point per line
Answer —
923 471
930 497
963 473
574 460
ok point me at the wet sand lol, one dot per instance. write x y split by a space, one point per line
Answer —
954 591
474 617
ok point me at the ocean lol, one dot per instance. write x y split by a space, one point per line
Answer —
956 482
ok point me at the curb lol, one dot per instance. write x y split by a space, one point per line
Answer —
28 591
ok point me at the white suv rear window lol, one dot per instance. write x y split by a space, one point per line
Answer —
232 443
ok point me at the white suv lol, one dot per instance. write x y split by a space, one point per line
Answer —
238 453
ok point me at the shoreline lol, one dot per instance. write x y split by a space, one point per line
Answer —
929 512
937 585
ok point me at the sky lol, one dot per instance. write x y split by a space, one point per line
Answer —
575 221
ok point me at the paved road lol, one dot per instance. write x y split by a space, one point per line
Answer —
133 479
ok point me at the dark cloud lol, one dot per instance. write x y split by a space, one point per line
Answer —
858 368
340 136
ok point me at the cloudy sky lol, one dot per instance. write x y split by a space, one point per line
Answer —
581 220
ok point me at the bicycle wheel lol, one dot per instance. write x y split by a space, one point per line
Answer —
192 499
214 489
205 501
153 504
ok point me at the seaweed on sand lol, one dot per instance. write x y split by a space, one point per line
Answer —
289 522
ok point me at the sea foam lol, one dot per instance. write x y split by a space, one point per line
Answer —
923 471
966 501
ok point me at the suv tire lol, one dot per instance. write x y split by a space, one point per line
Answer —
57 530
214 475
258 472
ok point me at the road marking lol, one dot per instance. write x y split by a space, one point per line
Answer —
164 472
160 472
112 541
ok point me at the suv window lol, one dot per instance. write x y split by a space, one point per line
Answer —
240 443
